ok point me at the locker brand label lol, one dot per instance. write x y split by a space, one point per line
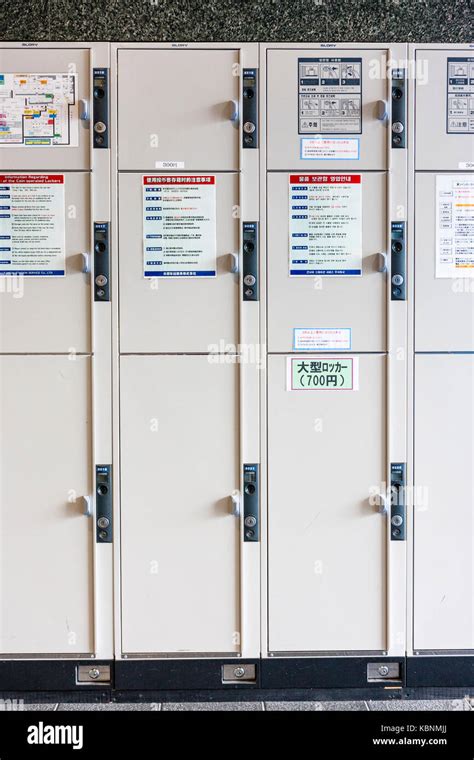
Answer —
330 148
32 225
179 226
39 110
325 225
454 225
329 95
460 97
323 373
322 338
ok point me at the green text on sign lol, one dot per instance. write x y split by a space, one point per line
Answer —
323 373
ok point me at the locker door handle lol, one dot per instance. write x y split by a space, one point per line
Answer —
234 262
381 503
235 499
381 110
87 508
84 111
381 262
234 110
86 263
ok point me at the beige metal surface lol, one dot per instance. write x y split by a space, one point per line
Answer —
327 544
435 149
52 315
46 586
49 59
174 105
444 494
283 148
355 302
179 540
177 315
444 307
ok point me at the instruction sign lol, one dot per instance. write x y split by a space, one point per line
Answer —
329 95
460 99
325 223
322 338
32 225
323 373
38 110
455 225
179 226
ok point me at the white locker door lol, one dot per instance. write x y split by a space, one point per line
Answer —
327 542
175 109
177 314
355 302
48 86
444 497
52 314
179 429
345 112
444 306
46 568
444 110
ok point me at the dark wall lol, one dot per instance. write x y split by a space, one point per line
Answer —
268 20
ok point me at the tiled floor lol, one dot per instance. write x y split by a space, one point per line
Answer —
456 704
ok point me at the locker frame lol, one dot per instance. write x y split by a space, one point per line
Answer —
423 662
396 371
101 430
248 171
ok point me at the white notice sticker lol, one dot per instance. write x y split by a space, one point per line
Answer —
39 110
32 225
179 226
454 225
325 222
322 339
330 148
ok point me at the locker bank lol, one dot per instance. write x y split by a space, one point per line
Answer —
236 369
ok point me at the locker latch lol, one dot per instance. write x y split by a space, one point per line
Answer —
251 502
250 108
103 500
100 107
90 674
398 501
101 262
383 671
398 262
398 125
250 260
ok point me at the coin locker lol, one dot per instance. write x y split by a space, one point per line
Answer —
187 170
442 335
55 376
333 321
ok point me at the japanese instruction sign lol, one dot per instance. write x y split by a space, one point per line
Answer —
460 100
323 373
325 224
179 226
32 225
330 148
38 110
322 339
455 225
329 95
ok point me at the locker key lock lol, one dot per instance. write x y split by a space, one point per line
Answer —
100 127
397 279
249 127
250 521
249 279
101 280
397 520
397 127
103 522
